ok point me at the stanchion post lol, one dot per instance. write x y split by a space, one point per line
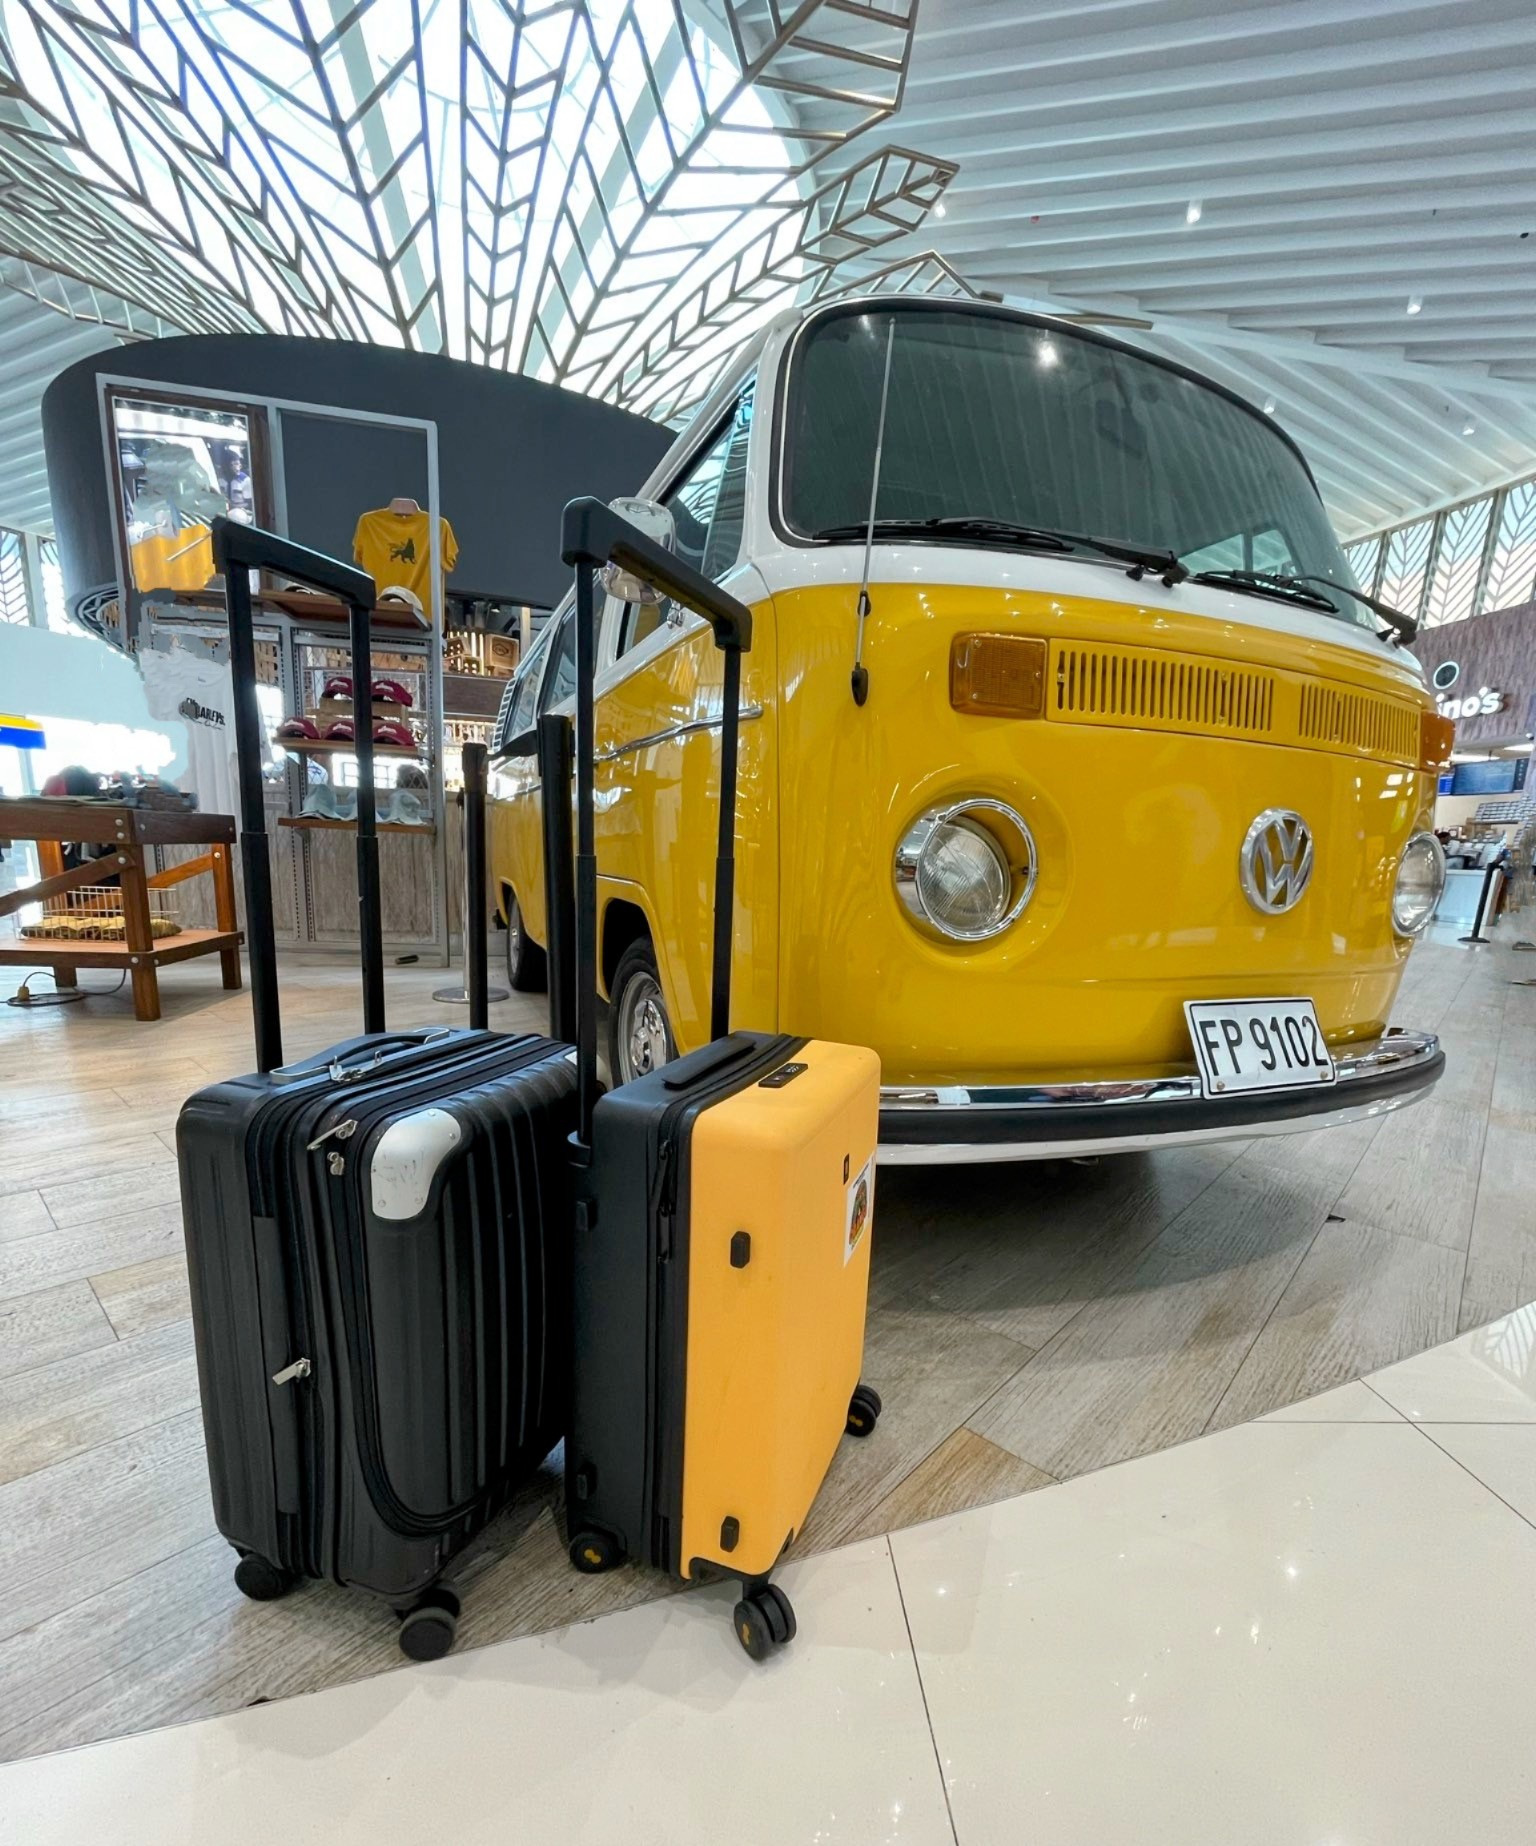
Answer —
1477 939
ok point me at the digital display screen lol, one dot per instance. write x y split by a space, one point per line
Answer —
1502 776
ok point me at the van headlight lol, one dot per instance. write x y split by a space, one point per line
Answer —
966 871
1420 880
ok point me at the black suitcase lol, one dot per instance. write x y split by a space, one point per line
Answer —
723 1205
377 1239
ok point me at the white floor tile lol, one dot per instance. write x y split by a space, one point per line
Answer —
650 1726
1486 1376
1347 1403
1300 1633
1501 1455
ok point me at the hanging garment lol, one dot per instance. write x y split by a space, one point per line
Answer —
396 550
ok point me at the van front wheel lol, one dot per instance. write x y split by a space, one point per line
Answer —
639 1032
527 964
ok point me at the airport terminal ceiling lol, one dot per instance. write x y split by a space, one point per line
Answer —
1298 200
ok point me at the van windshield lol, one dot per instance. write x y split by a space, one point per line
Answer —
992 418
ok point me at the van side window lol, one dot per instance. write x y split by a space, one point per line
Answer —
709 504
560 680
519 703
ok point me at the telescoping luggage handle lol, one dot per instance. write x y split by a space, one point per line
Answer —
593 534
237 550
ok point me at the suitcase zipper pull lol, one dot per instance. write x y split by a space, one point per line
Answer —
343 1131
301 1368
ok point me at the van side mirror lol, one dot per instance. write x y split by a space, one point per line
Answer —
657 523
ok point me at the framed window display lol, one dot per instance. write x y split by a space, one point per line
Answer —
179 462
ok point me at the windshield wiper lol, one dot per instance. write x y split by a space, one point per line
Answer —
1268 583
1404 626
1295 589
1142 558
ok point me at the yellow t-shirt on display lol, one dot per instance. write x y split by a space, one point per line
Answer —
173 560
396 551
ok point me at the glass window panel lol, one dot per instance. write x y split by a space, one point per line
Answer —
13 579
1364 558
1458 563
1406 566
1512 572
55 610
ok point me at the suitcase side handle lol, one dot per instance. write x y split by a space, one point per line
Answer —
237 550
592 535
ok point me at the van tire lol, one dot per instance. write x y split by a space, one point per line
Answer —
527 963
639 1029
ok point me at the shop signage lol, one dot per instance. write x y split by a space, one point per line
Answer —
1480 704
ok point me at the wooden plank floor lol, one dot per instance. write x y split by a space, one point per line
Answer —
1027 1323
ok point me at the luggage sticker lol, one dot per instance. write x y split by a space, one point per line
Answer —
859 1200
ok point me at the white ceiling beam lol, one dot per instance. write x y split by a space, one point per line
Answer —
1382 304
1152 246
1404 271
1040 130
1247 170
1158 64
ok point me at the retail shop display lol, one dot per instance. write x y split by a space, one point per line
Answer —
376 1242
723 1211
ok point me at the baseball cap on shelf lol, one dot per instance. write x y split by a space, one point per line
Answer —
297 727
338 686
389 731
391 692
342 731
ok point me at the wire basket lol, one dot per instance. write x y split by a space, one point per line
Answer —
94 913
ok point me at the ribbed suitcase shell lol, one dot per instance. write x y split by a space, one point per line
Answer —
719 1294
435 1340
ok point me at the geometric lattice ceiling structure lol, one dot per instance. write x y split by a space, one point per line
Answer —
588 192
1325 204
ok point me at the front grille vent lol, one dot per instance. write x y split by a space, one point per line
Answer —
1339 720
1105 685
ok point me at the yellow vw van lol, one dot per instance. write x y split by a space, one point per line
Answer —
1077 776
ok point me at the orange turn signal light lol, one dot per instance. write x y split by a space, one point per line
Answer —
997 676
1436 735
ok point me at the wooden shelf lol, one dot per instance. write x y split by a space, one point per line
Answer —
319 823
331 746
38 951
319 611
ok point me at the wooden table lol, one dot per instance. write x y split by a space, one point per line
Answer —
53 821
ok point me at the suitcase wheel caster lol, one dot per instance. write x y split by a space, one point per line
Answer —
260 1580
765 1621
427 1631
864 1409
594 1552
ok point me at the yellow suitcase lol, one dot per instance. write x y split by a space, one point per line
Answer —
723 1222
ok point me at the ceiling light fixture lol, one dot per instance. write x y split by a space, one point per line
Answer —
1469 429
1192 211
1269 407
938 208
1415 302
1048 354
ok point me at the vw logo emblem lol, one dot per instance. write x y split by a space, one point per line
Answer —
1276 861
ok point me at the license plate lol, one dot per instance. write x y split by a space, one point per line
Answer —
1257 1045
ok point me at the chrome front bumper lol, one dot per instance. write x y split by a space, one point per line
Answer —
950 1124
